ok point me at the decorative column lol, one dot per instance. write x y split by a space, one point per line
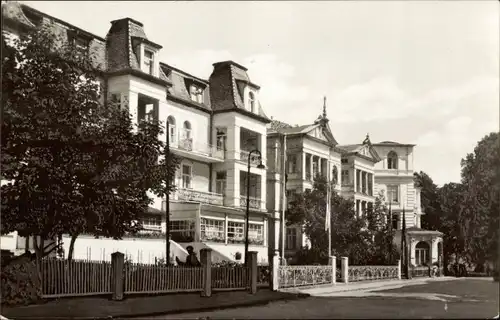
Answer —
117 279
399 269
333 263
345 269
312 167
275 265
206 261
304 156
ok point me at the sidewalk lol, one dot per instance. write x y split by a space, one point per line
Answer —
104 308
364 286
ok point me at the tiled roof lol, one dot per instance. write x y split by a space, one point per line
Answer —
227 87
350 147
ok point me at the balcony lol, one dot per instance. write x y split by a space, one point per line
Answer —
394 172
200 196
254 160
189 148
255 203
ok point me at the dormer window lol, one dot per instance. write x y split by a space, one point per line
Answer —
79 42
148 64
196 93
251 101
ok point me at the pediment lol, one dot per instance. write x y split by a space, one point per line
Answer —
369 151
322 133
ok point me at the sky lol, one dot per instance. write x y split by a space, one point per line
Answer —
422 72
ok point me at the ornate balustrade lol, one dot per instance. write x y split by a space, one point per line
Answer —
254 202
200 196
295 276
363 273
254 160
419 271
189 144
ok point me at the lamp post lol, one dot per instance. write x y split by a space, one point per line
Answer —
260 166
167 202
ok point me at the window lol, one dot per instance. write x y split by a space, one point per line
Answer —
171 125
315 168
393 193
395 221
151 223
292 164
212 230
236 231
251 101
345 176
220 182
150 112
81 45
221 138
186 176
148 61
422 253
343 161
182 230
187 130
291 238
196 93
392 160
256 233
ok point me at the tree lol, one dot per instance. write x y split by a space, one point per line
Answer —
430 202
73 164
481 180
349 235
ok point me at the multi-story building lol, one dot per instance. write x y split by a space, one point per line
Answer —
394 180
311 150
213 126
357 175
367 170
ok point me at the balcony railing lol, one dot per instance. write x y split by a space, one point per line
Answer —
190 145
255 203
254 160
403 172
200 196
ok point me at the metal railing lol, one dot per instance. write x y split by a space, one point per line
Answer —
254 160
200 196
254 202
363 273
296 276
191 145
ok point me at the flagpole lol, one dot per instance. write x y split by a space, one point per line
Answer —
283 221
328 204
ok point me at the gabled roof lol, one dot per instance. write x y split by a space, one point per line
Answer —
392 143
364 150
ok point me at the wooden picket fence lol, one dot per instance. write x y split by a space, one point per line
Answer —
63 278
143 278
230 278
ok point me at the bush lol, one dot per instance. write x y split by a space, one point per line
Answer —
20 282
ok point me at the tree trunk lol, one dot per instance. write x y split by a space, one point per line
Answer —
72 246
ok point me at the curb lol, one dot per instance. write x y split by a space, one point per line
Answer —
292 297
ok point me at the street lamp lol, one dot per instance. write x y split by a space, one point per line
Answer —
260 166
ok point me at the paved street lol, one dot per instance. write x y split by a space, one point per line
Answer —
467 298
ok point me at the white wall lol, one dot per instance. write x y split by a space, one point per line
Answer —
137 249
405 156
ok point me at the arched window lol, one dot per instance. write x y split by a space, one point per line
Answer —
422 253
187 130
392 160
171 129
251 101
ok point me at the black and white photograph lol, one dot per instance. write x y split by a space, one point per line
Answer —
250 159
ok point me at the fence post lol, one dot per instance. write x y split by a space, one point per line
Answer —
206 261
117 279
252 258
275 269
333 263
399 269
345 269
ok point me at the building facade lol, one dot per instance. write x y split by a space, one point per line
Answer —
367 171
213 124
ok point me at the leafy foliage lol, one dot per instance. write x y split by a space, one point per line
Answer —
74 164
20 284
362 239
